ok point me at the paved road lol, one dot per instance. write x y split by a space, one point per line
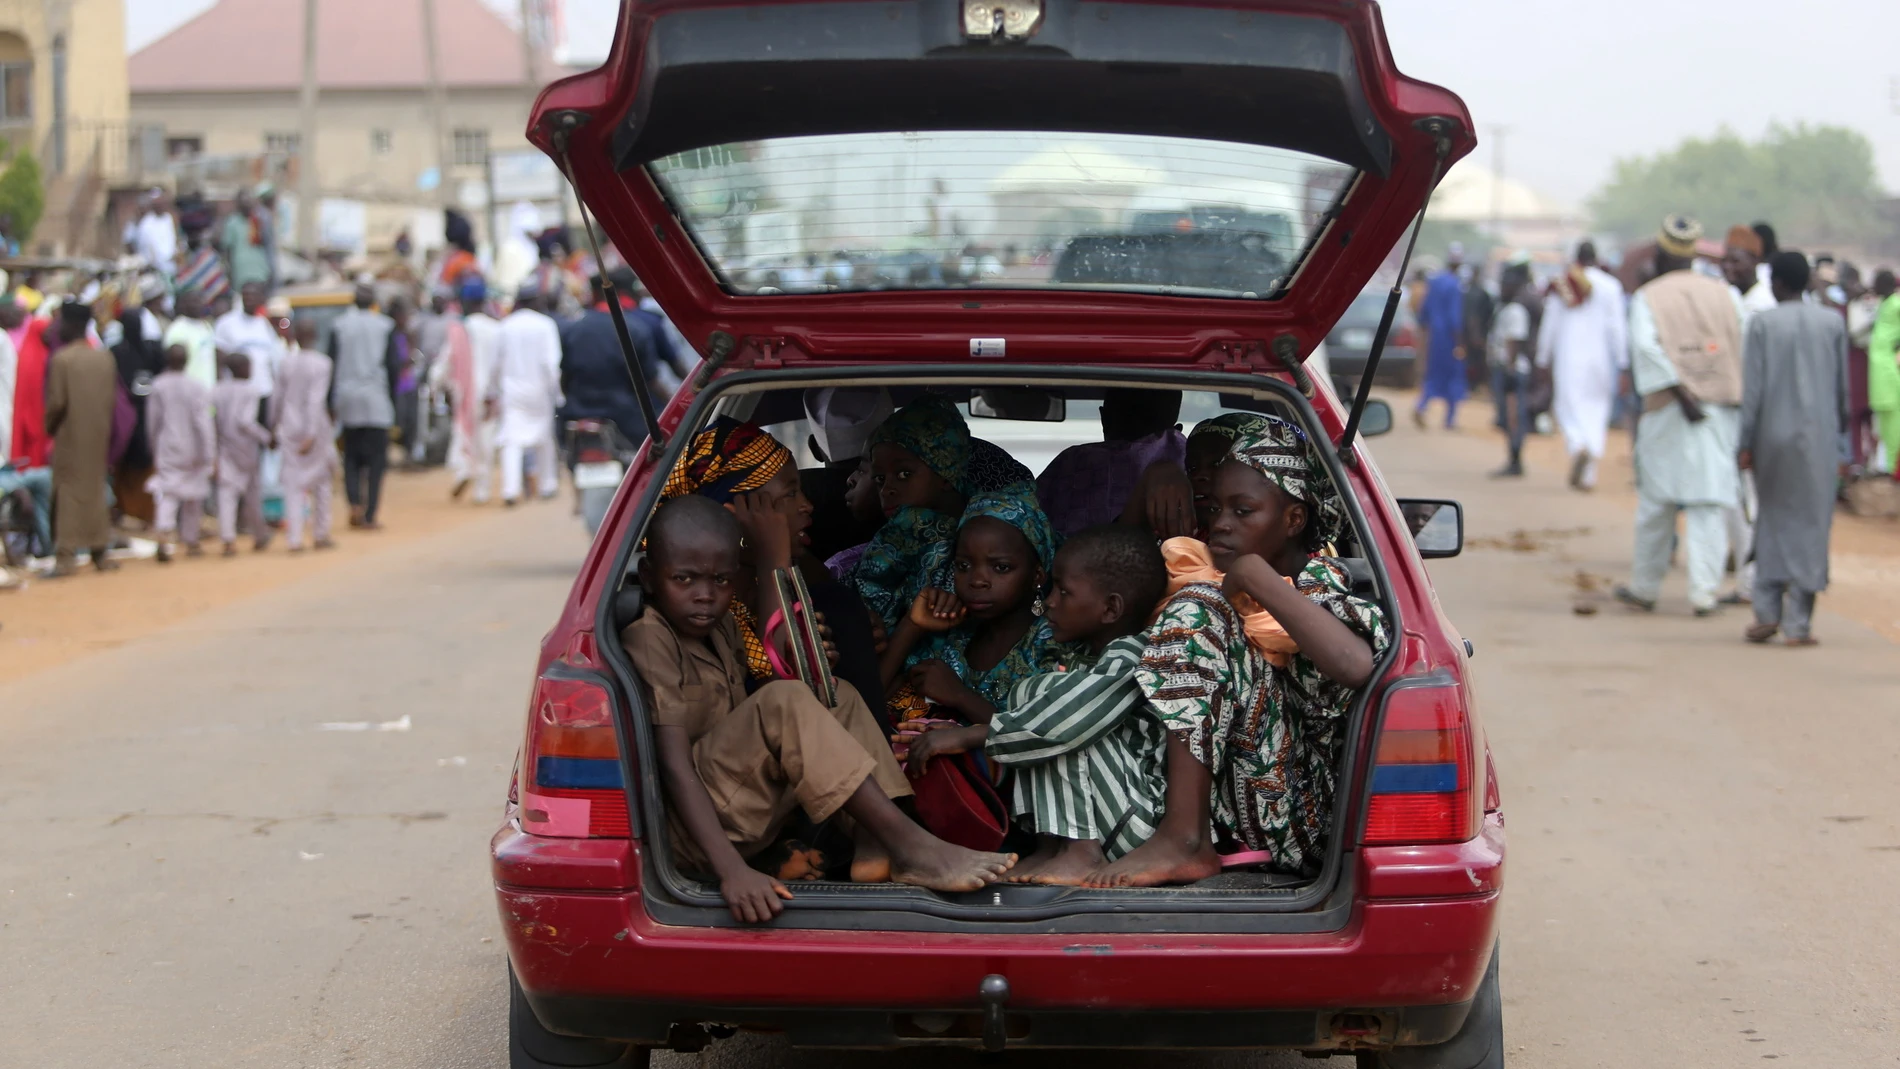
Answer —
1704 836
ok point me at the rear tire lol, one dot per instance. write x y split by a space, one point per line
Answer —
594 505
532 1046
1479 1044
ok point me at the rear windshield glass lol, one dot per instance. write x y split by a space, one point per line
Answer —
1003 210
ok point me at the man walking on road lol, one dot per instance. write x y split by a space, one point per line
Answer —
1883 373
527 392
1685 355
469 373
1443 314
82 385
301 419
1794 426
1585 344
362 347
1508 351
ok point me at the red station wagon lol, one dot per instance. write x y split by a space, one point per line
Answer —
961 197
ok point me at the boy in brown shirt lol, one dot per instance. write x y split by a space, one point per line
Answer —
735 766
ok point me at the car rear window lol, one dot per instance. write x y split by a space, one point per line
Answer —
1017 210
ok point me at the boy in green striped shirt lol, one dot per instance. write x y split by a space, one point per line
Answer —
1088 754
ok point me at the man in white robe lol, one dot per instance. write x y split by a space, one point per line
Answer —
1584 342
468 374
527 391
1685 357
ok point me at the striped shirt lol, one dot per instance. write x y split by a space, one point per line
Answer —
1087 750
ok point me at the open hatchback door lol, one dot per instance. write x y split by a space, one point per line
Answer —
1073 181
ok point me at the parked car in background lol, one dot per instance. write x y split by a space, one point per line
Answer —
1349 344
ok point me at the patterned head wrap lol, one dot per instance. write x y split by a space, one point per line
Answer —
725 460
1017 507
1230 425
1281 452
992 469
932 428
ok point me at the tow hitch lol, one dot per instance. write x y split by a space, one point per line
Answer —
994 994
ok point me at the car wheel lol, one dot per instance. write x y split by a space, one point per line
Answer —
1479 1044
531 1046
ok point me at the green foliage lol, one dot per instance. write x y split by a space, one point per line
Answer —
1814 183
22 195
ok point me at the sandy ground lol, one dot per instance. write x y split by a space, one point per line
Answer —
1704 835
53 621
1864 564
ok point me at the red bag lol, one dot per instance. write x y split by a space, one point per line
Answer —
958 804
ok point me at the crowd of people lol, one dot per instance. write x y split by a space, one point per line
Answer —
1761 384
1142 658
223 399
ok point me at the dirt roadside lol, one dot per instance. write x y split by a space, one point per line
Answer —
1864 563
53 621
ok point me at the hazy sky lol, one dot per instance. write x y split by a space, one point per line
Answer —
1577 84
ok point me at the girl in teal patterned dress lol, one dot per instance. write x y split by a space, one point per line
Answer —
964 649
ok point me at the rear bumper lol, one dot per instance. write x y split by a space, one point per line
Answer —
1402 971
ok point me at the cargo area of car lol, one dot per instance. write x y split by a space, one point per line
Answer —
1241 899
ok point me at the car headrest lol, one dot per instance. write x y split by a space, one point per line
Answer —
629 600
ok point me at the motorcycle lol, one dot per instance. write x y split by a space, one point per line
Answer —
599 456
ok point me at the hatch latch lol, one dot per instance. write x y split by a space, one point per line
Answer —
1001 20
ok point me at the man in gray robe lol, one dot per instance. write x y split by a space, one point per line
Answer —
1794 438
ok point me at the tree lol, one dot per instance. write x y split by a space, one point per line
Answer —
22 196
1814 183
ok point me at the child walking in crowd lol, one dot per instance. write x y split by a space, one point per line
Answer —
734 766
184 448
241 444
300 415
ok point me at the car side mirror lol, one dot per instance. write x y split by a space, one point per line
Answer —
1017 402
1376 419
1438 527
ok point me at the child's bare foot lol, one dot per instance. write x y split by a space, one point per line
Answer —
945 867
1071 864
1047 847
871 863
1159 861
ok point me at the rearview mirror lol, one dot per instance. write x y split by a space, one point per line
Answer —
1438 527
1018 402
1376 419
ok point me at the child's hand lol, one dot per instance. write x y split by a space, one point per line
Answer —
766 528
936 610
941 741
937 682
1168 500
753 896
1249 573
825 636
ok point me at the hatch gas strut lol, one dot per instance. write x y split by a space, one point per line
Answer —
1440 128
567 123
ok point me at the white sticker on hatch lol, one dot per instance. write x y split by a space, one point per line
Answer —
990 347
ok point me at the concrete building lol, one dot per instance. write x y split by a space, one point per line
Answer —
63 96
227 84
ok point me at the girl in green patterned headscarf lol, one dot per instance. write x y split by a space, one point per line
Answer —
919 459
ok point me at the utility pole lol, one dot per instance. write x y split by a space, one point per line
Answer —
309 189
531 77
438 103
1498 134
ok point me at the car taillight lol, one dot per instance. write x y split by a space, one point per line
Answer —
1423 772
1402 338
570 781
